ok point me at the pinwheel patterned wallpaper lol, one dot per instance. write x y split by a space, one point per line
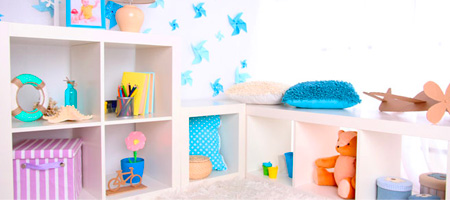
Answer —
216 37
216 41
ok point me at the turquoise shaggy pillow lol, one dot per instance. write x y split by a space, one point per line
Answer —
322 94
204 139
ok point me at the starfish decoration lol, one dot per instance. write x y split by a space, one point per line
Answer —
217 87
1 16
219 36
244 64
174 24
111 9
199 10
157 3
437 111
200 53
240 77
45 6
186 78
147 30
237 23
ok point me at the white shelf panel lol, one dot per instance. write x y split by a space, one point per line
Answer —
282 178
85 195
214 177
111 119
43 125
153 186
358 117
195 108
322 192
82 34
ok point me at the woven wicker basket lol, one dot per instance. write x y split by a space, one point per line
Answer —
199 167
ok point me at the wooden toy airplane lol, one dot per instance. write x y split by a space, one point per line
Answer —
396 103
431 99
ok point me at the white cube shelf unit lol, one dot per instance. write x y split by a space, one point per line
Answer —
314 134
95 59
232 138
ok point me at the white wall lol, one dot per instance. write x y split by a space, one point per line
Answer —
374 44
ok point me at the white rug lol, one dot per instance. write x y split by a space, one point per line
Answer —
240 189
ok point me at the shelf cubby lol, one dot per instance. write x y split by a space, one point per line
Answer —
231 138
52 61
157 153
229 148
91 154
121 58
274 138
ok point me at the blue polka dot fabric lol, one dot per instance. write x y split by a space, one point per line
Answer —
204 139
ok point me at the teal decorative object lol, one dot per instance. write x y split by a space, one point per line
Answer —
70 94
17 111
216 87
322 94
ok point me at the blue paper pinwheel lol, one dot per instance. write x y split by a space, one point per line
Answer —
157 3
240 77
147 30
199 10
244 64
237 23
111 9
200 53
174 24
0 17
45 6
219 36
217 87
186 78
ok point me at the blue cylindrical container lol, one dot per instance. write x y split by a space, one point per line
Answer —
70 94
389 187
424 196
138 168
289 162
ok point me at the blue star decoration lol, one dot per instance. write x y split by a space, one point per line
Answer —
219 36
157 3
200 53
42 7
238 24
186 78
1 16
240 77
243 64
111 9
174 24
199 10
217 87
147 30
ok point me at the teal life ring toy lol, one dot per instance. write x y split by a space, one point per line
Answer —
16 110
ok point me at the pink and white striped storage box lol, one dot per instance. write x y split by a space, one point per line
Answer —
47 169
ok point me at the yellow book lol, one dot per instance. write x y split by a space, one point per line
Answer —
141 81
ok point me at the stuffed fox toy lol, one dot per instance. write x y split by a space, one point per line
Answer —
344 166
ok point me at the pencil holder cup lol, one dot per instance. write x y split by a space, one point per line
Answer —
125 107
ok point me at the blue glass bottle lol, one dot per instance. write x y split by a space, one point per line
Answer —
71 94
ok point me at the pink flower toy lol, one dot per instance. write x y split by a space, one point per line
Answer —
135 141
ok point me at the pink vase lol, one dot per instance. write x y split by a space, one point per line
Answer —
130 18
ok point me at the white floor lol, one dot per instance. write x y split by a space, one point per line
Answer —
248 188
